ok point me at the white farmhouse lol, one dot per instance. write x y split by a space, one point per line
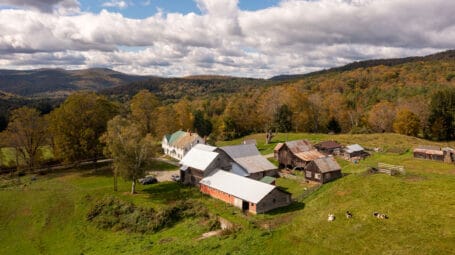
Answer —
179 143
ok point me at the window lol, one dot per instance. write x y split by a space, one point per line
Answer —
308 174
317 176
274 200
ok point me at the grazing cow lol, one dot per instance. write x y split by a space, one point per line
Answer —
348 214
331 217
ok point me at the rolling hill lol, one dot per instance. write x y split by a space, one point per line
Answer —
60 82
440 56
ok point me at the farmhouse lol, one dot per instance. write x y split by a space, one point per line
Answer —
329 147
245 193
296 154
199 162
247 161
435 153
355 151
179 143
323 170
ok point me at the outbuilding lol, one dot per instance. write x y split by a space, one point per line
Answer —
296 154
245 193
329 147
433 153
355 151
198 163
247 161
323 170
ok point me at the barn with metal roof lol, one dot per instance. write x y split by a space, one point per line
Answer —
245 193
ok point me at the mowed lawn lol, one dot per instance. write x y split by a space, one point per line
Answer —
48 216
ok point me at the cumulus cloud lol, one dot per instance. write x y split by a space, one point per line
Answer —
293 37
43 5
116 3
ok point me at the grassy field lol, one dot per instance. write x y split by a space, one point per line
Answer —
8 156
387 142
48 216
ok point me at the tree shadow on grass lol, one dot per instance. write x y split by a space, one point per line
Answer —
105 171
168 191
294 206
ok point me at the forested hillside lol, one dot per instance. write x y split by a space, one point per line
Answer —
191 87
60 82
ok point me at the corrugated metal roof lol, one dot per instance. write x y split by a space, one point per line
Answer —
278 146
309 155
327 164
204 147
199 159
328 145
429 151
299 146
241 150
241 187
353 148
248 156
429 147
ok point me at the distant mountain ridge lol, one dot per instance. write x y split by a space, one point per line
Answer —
60 82
445 55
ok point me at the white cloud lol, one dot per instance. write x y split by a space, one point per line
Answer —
116 4
293 37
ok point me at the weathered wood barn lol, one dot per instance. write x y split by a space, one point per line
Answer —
245 193
179 143
248 161
323 170
296 154
355 151
199 162
329 147
435 153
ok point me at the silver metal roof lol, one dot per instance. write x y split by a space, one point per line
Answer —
241 187
248 157
327 164
353 148
204 147
199 159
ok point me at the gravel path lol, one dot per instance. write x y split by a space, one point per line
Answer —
163 176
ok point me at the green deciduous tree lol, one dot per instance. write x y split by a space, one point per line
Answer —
77 125
406 123
283 118
130 149
144 110
202 125
26 131
442 115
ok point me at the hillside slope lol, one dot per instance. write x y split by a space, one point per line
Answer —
440 56
60 82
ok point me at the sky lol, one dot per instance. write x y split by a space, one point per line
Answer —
250 38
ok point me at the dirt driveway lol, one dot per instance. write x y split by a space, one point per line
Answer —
163 176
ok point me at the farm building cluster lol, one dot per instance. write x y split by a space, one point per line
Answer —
241 176
445 154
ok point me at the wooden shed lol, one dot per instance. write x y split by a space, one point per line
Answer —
296 154
245 193
429 152
329 147
323 170
449 155
354 151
